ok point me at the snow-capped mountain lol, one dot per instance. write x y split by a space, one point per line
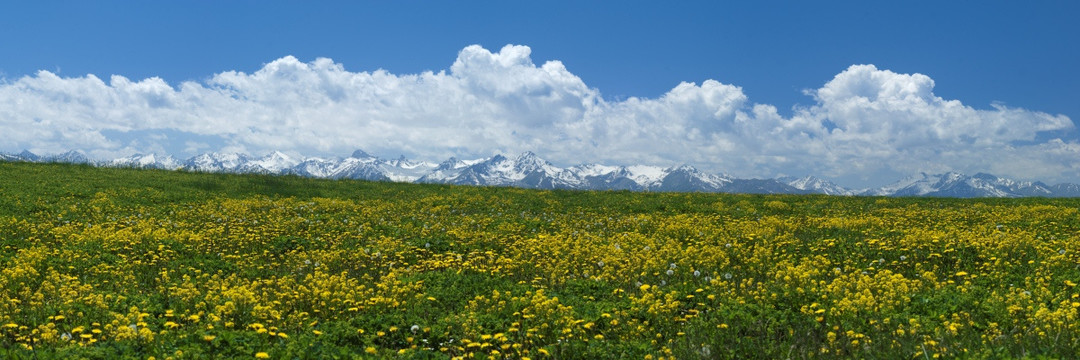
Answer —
815 185
217 162
686 178
148 161
272 163
1066 190
953 184
1021 188
72 157
528 170
448 169
405 170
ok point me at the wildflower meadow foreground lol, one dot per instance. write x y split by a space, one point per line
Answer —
124 263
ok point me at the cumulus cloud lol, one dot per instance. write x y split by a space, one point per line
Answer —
865 123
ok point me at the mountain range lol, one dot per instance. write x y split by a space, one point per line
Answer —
528 170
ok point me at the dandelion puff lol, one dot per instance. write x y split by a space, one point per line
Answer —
663 282
1062 251
600 264
697 273
672 266
727 276
414 328
903 257
670 272
65 336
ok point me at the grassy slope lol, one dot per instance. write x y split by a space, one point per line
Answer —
322 260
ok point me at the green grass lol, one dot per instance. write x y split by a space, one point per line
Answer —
211 265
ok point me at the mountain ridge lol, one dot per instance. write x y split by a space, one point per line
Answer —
528 170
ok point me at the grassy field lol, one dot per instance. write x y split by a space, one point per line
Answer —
123 263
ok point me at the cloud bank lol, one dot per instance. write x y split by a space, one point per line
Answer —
866 124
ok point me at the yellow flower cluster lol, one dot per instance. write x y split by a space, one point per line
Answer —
508 273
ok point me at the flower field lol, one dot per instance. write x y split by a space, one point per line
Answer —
123 263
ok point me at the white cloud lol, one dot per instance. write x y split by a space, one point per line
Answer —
865 123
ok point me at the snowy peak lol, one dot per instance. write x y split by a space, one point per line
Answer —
26 155
360 154
688 178
525 170
315 167
272 163
73 157
148 161
217 162
954 184
812 184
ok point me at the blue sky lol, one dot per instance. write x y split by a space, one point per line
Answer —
1008 69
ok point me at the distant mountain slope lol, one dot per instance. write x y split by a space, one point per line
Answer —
528 170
